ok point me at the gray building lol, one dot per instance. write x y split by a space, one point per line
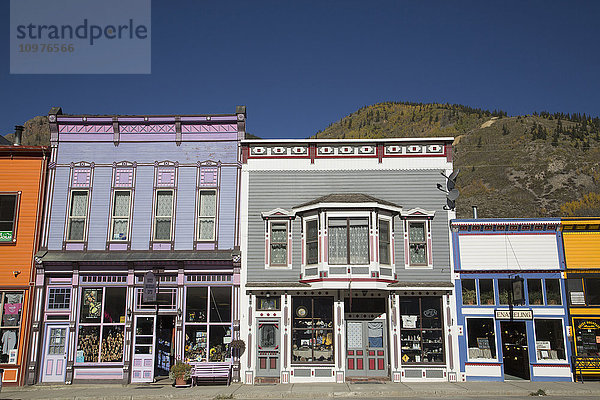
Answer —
346 260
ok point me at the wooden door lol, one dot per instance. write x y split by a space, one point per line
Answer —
55 353
268 351
142 369
366 348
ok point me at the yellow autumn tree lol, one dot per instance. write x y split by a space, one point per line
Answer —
587 206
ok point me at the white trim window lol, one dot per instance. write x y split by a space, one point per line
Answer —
207 214
348 241
417 238
163 215
278 244
78 211
121 210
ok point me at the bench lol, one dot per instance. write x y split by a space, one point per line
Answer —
581 364
213 371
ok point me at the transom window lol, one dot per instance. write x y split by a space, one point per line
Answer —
163 215
59 298
77 215
207 214
417 242
348 241
8 216
120 215
279 243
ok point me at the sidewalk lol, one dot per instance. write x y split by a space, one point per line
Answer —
301 391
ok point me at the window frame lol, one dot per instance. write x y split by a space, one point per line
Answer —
155 217
70 217
204 217
17 327
426 233
52 310
15 220
421 329
496 347
313 330
113 217
348 256
308 220
286 243
389 242
545 290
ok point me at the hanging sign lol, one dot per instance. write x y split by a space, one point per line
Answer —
149 294
516 314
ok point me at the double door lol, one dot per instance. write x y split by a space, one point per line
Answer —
366 348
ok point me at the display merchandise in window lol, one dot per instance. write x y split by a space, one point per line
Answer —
421 332
587 332
549 339
218 341
12 308
312 330
196 304
102 325
195 343
348 240
481 338
417 239
8 216
469 295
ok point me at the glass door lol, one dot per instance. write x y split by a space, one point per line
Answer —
55 353
143 349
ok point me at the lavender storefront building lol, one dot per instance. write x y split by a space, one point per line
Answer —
130 195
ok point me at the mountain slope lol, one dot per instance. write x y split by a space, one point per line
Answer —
524 166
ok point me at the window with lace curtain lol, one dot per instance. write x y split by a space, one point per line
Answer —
207 214
417 243
120 215
348 241
77 220
279 244
163 215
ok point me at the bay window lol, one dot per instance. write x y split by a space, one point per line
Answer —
348 241
101 325
312 242
76 224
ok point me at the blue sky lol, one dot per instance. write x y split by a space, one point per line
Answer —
300 65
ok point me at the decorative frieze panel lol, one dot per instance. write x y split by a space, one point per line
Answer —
85 129
147 128
299 150
209 128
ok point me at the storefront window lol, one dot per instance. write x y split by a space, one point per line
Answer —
208 324
469 295
504 291
486 292
534 290
312 333
102 325
553 297
587 337
592 291
12 308
421 334
481 338
549 339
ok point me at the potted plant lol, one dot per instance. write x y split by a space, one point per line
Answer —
237 346
469 297
180 372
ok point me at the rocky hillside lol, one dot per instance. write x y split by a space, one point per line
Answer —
525 166
36 133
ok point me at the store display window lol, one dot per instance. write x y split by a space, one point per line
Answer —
208 324
101 325
481 338
469 295
592 291
312 330
421 330
587 337
11 310
534 290
550 339
268 303
553 297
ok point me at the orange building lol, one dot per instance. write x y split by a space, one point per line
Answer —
22 186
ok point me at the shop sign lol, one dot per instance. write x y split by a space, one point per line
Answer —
5 236
588 325
577 298
516 314
149 294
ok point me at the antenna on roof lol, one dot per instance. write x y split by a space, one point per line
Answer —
451 191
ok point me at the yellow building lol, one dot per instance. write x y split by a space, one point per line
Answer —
581 239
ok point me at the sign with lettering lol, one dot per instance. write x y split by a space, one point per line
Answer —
149 294
588 325
577 298
516 314
6 236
